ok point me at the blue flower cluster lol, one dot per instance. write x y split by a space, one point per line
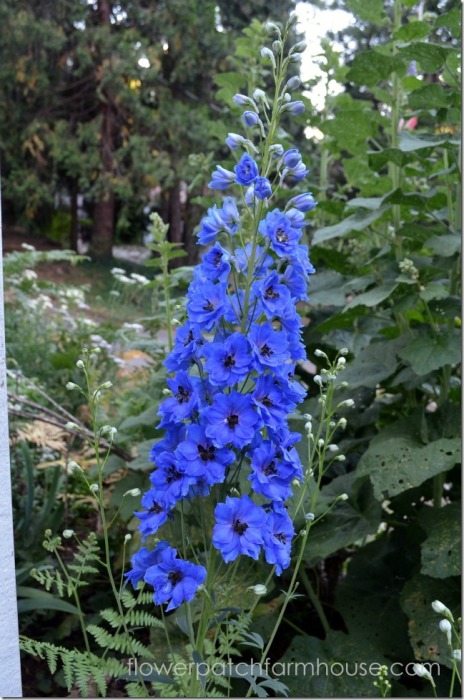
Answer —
233 367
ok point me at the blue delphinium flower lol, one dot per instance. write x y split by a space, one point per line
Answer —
142 560
231 420
221 179
233 365
278 228
246 170
277 535
239 528
228 362
174 580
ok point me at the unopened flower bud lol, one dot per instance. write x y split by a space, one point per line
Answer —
341 362
167 392
276 150
340 458
442 610
70 386
457 655
445 627
349 403
258 589
241 100
71 426
106 385
344 351
250 118
317 379
343 497
294 83
320 443
267 54
342 423
73 466
68 533
320 353
95 351
94 488
80 364
132 492
332 448
309 517
421 671
277 46
259 95
127 538
299 47
295 58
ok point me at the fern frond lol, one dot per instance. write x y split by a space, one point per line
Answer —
134 618
52 580
118 642
136 690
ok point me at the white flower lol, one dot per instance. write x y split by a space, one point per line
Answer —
68 533
132 492
421 671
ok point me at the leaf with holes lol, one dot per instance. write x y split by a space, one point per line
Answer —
427 640
441 551
396 464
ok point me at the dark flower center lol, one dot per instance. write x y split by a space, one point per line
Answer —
281 537
175 577
239 527
281 236
182 395
266 401
172 475
189 338
270 469
229 361
206 453
217 259
155 508
270 293
266 350
232 421
209 306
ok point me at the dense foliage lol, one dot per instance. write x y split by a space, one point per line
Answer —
384 160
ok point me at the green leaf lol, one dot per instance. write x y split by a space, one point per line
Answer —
395 464
451 21
427 640
411 199
431 57
31 599
350 521
373 296
434 290
330 668
365 202
441 551
426 354
412 31
326 289
356 222
368 598
373 364
444 246
431 96
372 11
369 67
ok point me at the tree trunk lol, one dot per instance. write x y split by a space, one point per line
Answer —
103 222
74 232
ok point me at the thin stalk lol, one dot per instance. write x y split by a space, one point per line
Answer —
167 298
315 600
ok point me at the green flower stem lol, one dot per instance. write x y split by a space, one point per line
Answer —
76 600
315 600
167 297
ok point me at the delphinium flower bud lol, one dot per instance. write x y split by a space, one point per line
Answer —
241 100
234 141
296 108
259 589
80 364
267 55
294 83
132 492
249 118
446 628
348 403
441 609
299 47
